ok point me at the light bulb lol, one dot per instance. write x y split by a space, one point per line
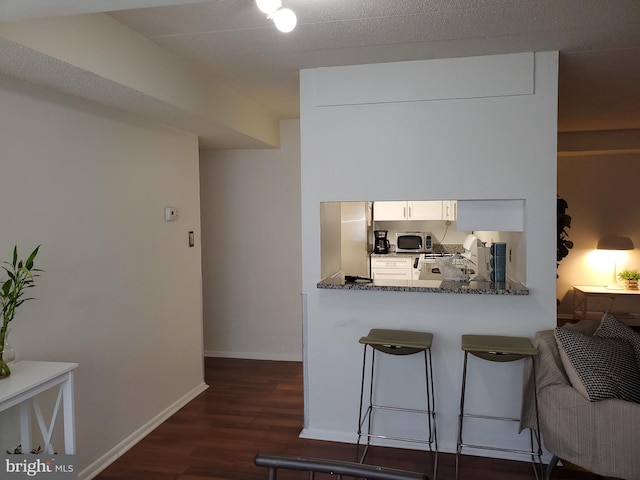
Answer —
284 19
268 6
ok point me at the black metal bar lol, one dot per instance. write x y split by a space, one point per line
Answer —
334 467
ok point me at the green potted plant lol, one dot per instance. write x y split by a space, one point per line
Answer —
630 278
564 223
12 294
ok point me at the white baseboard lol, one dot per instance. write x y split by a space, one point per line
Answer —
284 357
344 437
120 449
328 435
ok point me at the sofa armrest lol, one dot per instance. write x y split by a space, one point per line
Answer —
599 436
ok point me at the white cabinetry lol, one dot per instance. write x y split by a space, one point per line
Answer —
410 210
390 210
429 210
450 210
391 268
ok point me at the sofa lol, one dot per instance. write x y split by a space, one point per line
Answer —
596 429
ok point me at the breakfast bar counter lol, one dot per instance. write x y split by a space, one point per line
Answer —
430 286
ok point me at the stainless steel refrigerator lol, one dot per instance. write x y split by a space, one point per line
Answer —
356 228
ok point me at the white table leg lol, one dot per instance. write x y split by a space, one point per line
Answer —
69 415
25 426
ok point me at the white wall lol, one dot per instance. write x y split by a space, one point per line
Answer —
475 145
121 291
252 250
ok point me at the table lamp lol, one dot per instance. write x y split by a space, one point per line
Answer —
612 242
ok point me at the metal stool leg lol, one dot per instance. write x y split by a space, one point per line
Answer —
369 409
431 410
461 416
360 416
537 431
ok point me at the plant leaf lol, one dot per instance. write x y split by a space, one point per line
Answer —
5 288
29 262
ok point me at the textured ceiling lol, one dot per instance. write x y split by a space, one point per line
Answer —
599 41
231 41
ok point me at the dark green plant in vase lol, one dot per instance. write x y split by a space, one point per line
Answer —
12 294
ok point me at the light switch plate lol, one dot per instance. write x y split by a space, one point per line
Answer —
170 214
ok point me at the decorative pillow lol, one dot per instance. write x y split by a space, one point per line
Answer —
611 327
598 367
588 327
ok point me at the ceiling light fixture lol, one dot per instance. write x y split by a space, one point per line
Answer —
268 6
284 18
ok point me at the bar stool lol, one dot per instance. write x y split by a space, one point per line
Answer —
397 342
499 349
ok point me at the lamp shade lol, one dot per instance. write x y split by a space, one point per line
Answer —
615 243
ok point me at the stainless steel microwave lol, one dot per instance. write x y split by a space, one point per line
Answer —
414 242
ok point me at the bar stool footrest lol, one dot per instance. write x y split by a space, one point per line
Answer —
403 409
399 439
489 417
499 449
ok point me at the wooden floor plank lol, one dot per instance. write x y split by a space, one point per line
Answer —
254 406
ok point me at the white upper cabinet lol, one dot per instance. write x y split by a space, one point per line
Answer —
410 210
431 210
390 210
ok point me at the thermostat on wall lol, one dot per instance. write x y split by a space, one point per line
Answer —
170 214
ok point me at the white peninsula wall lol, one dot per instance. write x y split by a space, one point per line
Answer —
469 128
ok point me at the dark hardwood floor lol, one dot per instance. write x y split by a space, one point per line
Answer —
256 406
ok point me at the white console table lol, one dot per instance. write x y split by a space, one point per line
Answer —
591 302
27 380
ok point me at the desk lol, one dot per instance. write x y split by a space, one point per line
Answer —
27 380
591 303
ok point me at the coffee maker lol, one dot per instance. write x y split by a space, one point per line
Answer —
381 244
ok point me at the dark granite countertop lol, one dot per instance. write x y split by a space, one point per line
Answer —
431 286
